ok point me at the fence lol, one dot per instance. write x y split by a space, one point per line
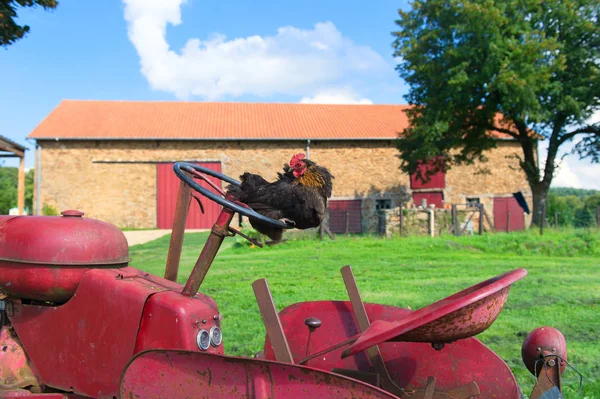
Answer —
460 219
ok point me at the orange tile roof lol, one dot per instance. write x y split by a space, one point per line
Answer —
83 119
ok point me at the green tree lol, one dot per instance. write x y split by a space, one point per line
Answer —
29 190
578 192
522 68
565 206
592 203
9 189
583 218
10 30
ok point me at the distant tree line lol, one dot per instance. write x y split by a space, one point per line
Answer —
8 189
575 207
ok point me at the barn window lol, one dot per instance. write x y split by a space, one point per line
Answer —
473 202
383 204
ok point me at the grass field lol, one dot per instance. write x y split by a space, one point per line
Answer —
562 288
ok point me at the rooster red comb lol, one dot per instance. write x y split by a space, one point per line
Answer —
296 158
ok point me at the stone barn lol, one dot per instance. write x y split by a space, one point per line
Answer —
113 159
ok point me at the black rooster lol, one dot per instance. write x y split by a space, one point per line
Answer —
298 196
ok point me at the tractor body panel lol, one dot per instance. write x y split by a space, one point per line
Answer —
84 345
172 321
180 374
409 363
44 257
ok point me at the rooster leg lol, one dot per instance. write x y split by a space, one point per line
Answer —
286 220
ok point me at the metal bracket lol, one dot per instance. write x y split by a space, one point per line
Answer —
252 240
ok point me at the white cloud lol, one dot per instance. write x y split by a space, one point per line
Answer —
565 177
336 96
293 61
572 171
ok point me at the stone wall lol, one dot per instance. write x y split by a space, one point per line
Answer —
92 176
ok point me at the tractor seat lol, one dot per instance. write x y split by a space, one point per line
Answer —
44 257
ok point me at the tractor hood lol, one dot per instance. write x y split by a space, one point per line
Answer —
67 240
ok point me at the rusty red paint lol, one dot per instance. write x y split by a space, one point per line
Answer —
543 341
178 374
45 257
462 315
15 371
182 207
211 247
409 364
85 344
23 393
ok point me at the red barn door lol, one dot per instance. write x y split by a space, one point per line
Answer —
345 213
432 197
508 215
166 197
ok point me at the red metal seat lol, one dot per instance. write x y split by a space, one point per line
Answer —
44 257
462 315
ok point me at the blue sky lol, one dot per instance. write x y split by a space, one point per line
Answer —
289 51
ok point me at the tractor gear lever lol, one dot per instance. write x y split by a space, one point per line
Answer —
312 323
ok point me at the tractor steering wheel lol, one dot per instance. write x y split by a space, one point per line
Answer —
245 210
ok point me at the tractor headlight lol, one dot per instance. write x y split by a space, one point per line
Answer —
203 340
215 336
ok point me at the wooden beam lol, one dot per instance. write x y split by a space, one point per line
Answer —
21 187
9 148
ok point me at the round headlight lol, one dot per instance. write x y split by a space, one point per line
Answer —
215 336
203 340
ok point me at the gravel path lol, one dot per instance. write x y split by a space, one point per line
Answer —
142 236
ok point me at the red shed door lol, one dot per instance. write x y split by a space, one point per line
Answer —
345 215
508 215
168 188
432 197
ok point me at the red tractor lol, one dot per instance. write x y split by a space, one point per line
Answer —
78 322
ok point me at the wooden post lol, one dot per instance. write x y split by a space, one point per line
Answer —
480 219
431 222
347 221
401 218
556 220
508 220
455 220
21 186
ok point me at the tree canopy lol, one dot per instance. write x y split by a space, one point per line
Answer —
525 69
10 30
8 189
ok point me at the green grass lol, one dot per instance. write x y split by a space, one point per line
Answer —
562 288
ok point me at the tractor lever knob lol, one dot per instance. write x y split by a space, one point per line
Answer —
312 323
